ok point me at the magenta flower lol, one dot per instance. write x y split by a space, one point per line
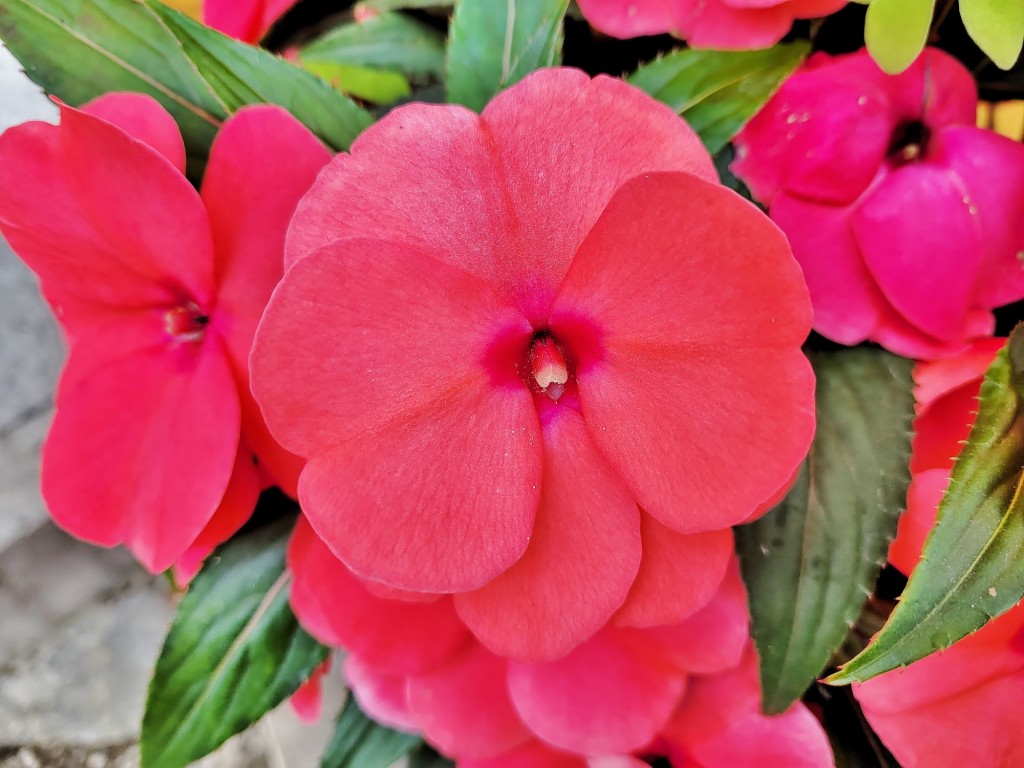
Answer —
724 24
886 191
157 443
538 358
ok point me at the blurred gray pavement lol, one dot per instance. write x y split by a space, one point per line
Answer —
80 627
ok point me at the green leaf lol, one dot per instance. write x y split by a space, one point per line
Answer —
81 49
997 26
383 6
972 567
425 757
811 561
896 31
359 742
234 652
719 91
380 86
392 42
496 43
242 74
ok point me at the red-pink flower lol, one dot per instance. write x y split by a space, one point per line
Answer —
538 358
727 24
887 193
247 20
159 290
959 706
689 689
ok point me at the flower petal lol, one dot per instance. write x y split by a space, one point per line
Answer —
426 447
234 511
491 194
926 265
582 558
719 724
997 202
381 695
679 574
142 117
106 221
712 639
608 695
630 19
390 635
689 349
142 448
463 707
250 205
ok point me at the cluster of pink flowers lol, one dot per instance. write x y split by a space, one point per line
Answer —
509 363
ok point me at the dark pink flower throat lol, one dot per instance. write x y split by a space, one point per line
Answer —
186 322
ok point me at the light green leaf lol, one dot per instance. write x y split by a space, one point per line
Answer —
392 42
234 652
972 567
896 31
997 26
719 91
380 86
811 561
496 43
359 742
242 74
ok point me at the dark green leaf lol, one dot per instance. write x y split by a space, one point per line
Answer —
972 568
242 74
896 31
425 757
359 742
80 49
234 652
997 26
383 6
719 91
392 42
811 561
495 43
723 160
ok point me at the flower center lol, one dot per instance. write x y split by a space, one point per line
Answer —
186 322
547 363
909 142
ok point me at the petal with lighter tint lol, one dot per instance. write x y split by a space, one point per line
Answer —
609 695
582 558
391 635
688 348
464 708
679 574
381 695
142 117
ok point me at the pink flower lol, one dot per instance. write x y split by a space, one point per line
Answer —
156 438
688 688
887 193
959 706
537 358
725 24
246 20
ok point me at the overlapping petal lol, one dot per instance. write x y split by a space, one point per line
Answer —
665 366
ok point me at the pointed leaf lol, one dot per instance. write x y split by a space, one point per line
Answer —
811 561
895 31
972 567
359 742
997 26
719 91
392 41
234 652
496 43
241 74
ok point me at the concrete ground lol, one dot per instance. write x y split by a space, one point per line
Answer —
80 627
